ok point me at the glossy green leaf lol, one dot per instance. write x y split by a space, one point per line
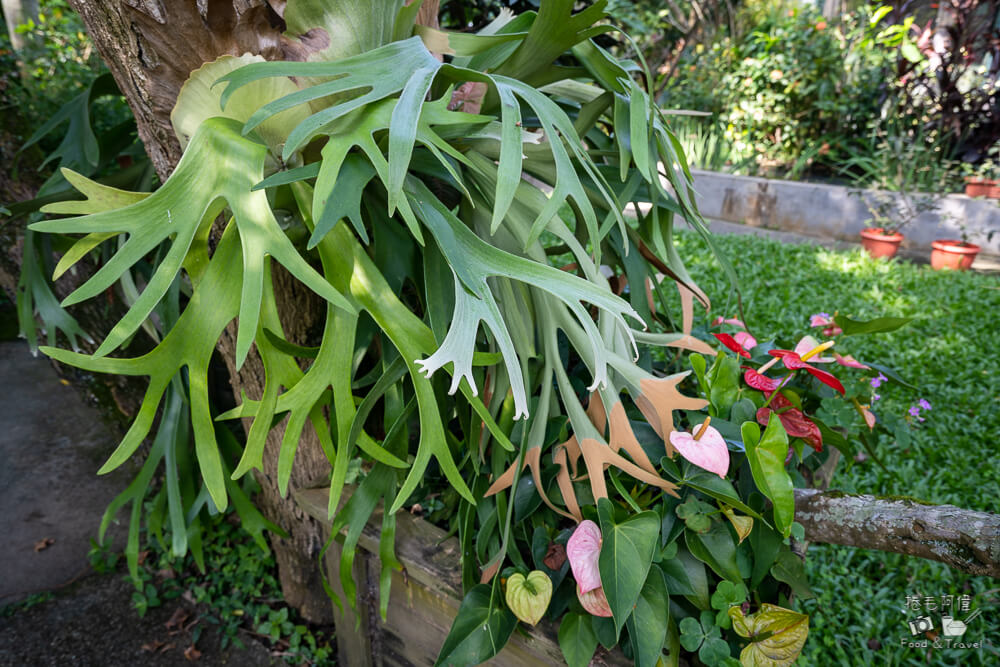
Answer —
717 549
577 639
626 554
766 455
788 568
711 485
480 630
647 626
878 325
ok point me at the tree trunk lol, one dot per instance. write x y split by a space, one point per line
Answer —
964 539
17 13
151 46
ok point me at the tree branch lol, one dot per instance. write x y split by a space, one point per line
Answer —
964 539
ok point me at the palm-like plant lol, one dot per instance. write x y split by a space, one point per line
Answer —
426 183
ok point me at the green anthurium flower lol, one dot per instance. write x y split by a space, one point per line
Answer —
529 597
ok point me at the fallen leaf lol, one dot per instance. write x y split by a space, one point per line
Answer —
143 555
555 557
168 647
177 619
42 545
191 653
152 646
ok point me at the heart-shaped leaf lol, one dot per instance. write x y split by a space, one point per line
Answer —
529 597
647 626
481 629
577 639
625 557
777 635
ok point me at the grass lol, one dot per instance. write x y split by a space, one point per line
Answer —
950 353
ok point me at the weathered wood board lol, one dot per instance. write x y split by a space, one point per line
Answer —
424 600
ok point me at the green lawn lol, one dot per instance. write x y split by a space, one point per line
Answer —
952 353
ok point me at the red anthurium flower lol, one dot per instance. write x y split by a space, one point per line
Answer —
731 343
795 422
793 362
758 381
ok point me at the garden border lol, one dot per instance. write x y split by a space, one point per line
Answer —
830 211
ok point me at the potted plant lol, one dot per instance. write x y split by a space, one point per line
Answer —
890 212
983 180
906 163
953 253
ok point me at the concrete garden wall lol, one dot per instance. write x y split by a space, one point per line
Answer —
830 211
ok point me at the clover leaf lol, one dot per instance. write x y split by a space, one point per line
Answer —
725 596
695 515
704 636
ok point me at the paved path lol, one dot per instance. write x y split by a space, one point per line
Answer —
51 445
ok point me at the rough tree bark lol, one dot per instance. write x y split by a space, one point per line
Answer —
151 46
964 539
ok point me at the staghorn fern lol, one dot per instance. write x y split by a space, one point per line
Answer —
377 166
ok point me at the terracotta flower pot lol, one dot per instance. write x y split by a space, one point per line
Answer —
880 244
952 254
980 187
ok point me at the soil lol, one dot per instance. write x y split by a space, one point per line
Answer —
52 442
93 622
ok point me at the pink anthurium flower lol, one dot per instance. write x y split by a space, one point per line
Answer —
706 449
745 340
849 361
808 343
825 320
583 549
731 343
731 320
595 602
